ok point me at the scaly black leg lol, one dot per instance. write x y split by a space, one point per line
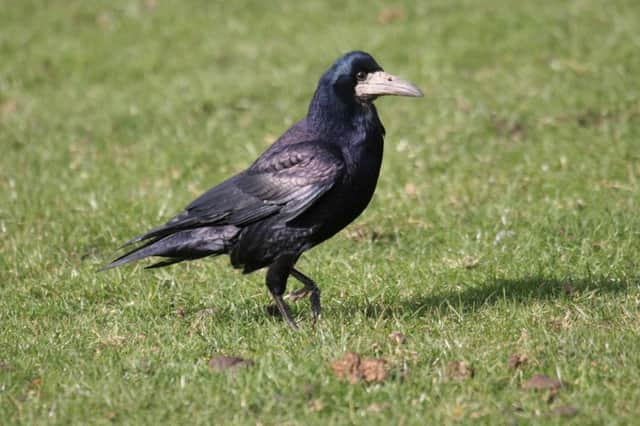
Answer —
310 288
284 311
277 275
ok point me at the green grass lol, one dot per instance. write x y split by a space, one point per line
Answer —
505 221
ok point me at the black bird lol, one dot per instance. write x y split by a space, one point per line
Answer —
312 182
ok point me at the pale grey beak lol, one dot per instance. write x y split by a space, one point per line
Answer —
380 83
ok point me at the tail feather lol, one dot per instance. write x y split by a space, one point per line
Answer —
167 262
178 223
137 253
183 245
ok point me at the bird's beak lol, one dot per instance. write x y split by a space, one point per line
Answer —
380 83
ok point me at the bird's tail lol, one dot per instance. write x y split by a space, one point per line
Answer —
188 244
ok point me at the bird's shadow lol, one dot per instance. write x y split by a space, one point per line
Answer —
463 298
470 299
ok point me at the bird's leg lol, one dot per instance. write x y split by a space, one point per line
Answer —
277 283
284 311
310 288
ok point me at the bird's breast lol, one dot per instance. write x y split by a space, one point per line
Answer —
362 171
351 195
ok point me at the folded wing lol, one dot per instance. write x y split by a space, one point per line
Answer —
285 182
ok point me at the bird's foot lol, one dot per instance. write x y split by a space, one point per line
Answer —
294 296
314 298
285 312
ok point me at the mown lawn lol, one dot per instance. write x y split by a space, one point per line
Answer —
505 222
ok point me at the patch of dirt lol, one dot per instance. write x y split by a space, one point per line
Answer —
365 232
347 367
91 252
542 382
353 368
222 362
568 290
591 118
465 262
116 341
459 370
8 107
397 337
315 405
34 386
564 410
35 383
518 360
470 262
111 341
105 21
377 407
608 184
201 315
411 190
149 4
389 15
462 104
511 128
560 323
207 312
308 389
373 370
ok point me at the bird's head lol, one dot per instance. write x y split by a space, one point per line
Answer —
357 77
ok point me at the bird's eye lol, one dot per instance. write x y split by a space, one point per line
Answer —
361 75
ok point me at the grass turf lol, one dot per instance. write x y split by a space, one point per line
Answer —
505 221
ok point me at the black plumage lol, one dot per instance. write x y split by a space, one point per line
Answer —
312 182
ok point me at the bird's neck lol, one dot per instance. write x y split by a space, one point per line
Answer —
332 117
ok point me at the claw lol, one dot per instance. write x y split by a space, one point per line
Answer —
285 311
310 289
315 306
294 296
